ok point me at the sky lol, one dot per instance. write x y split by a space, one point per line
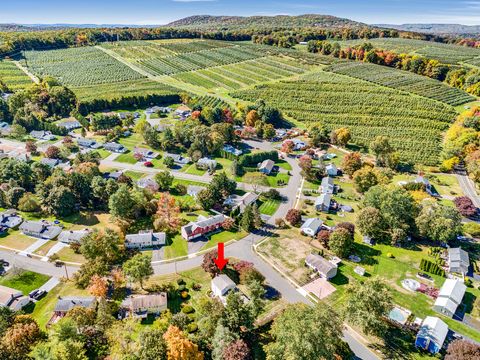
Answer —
157 12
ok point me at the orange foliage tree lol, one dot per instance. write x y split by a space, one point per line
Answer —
179 346
167 217
98 286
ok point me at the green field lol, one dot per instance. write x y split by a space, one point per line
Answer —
414 124
12 76
25 281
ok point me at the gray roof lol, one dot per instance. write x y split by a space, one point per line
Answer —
10 218
267 164
86 142
113 146
70 124
222 282
179 159
50 162
324 200
313 223
433 329
69 236
458 260
327 181
42 228
320 264
67 303
154 238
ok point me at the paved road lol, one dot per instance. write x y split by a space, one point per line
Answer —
468 188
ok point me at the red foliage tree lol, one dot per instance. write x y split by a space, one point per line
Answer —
294 217
31 147
287 146
462 350
52 152
465 206
208 263
347 226
323 237
237 350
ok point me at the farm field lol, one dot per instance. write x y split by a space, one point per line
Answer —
12 76
78 66
402 80
414 124
445 53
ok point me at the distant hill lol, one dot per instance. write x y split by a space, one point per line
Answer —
209 22
439 29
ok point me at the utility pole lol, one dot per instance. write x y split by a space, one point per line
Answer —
66 271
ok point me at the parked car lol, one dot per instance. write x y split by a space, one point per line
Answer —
58 263
39 294
148 164
33 293
4 263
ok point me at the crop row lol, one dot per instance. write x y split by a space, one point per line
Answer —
402 80
414 124
79 66
12 76
193 46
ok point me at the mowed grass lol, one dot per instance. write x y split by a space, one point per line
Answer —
24 281
269 207
126 158
16 240
223 237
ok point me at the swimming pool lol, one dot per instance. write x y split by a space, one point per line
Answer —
399 315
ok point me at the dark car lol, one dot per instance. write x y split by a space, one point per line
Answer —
39 294
4 263
33 293
58 263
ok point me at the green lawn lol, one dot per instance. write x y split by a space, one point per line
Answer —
269 207
103 153
188 182
283 164
16 240
223 236
192 169
135 175
126 158
177 246
25 281
67 254
131 141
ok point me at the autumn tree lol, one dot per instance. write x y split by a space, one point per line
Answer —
167 218
251 118
287 146
237 350
465 206
52 152
138 268
365 178
31 147
179 347
208 263
351 163
20 337
323 237
294 217
462 350
98 286
341 136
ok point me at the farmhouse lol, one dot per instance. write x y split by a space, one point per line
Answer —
145 239
458 260
266 166
311 226
73 236
450 296
240 202
327 186
65 304
140 306
148 183
42 135
298 144
70 125
40 229
206 163
13 299
88 143
221 285
114 147
331 170
323 202
202 226
231 150
178 159
9 219
431 334
145 153
325 268
183 111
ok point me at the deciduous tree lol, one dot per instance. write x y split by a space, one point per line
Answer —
139 268
179 347
167 217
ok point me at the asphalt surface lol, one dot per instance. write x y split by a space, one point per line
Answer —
468 188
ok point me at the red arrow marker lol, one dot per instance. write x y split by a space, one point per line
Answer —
220 261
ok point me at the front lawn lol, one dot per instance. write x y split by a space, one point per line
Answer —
177 246
24 281
68 255
223 236
192 169
269 207
16 240
126 158
135 175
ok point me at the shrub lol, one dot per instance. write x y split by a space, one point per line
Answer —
188 309
181 281
280 223
468 282
184 294
390 255
182 287
465 206
191 328
472 228
432 268
197 287
272 194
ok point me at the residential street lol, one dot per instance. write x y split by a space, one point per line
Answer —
468 188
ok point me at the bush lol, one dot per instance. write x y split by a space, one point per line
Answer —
468 282
188 309
184 294
182 287
181 281
465 206
472 229
272 194
390 255
191 328
197 287
280 223
432 268
294 217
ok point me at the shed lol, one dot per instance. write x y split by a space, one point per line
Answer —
331 170
432 334
221 285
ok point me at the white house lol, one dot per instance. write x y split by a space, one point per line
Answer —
327 186
458 260
140 306
193 190
331 170
40 229
145 153
232 150
178 159
206 163
146 239
450 296
325 268
148 182
240 202
422 180
432 334
115 147
297 144
266 166
221 285
70 124
311 226
10 219
88 143
323 202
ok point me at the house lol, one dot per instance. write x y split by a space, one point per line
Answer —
12 298
458 260
178 159
431 335
298 144
183 111
51 163
323 202
5 128
311 226
88 143
65 304
327 186
331 170
9 219
114 147
42 135
206 163
235 202
145 239
280 134
424 181
193 190
140 306
221 285
145 153
325 268
148 183
70 125
202 226
449 297
73 236
266 166
40 229
231 150
114 175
